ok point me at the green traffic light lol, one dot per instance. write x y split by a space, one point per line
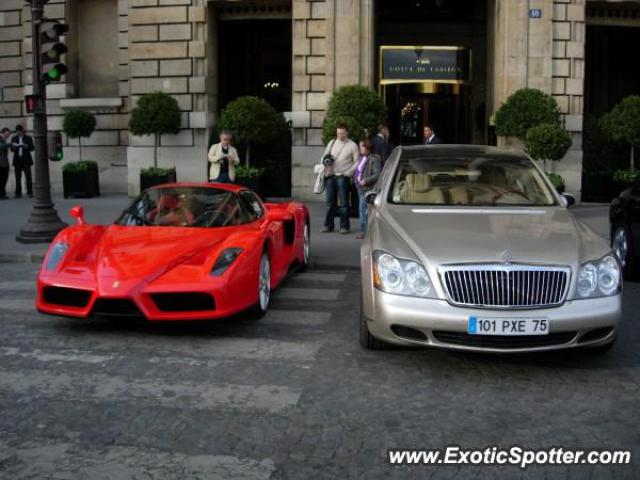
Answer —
53 74
59 156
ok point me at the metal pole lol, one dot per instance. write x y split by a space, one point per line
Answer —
43 223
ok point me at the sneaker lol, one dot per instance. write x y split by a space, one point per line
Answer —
326 230
344 231
360 236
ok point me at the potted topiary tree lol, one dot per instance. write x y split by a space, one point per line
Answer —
254 122
622 123
545 142
155 114
361 110
80 179
524 109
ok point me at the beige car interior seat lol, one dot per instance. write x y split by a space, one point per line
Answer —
417 189
458 195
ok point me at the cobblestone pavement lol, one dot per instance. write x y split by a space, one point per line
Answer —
291 396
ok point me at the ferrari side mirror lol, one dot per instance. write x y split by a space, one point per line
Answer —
77 212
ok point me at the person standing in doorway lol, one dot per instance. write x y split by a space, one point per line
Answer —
430 137
340 159
223 160
22 146
5 146
366 176
380 144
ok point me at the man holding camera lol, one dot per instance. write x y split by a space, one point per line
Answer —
340 160
223 160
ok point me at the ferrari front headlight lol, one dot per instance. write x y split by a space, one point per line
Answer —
400 276
599 278
56 254
224 261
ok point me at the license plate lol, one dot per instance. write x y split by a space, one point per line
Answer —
508 326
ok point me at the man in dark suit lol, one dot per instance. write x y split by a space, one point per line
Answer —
22 146
380 144
430 137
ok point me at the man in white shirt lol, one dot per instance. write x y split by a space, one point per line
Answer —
340 160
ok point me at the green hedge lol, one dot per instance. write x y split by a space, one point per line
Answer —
81 166
157 171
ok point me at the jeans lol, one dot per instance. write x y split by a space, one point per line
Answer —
337 187
363 212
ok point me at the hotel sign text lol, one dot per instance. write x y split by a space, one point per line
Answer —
415 64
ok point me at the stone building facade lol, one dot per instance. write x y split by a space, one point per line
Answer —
121 49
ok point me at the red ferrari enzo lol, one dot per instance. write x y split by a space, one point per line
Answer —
179 252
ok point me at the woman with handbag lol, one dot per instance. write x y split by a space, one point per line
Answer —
366 176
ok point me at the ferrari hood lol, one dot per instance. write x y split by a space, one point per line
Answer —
469 235
143 254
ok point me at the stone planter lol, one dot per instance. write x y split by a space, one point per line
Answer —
83 184
148 181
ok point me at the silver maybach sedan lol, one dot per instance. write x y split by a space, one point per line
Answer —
470 247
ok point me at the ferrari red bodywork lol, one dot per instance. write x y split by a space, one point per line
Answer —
165 272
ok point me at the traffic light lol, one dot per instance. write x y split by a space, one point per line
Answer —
30 103
54 146
51 49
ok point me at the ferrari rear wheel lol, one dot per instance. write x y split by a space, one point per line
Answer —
264 287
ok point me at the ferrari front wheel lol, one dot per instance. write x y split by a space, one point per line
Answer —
306 247
264 287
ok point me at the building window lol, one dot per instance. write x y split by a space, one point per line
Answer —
93 43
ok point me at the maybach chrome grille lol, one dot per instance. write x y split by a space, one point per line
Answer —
505 286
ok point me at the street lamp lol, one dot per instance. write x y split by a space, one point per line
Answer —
43 223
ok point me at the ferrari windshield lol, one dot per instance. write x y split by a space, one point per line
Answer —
187 207
469 180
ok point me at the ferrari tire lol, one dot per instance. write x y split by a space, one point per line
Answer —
368 341
306 247
622 246
259 310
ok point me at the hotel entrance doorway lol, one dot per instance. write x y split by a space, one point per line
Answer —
445 107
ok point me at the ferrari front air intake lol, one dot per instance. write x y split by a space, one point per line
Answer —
66 297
